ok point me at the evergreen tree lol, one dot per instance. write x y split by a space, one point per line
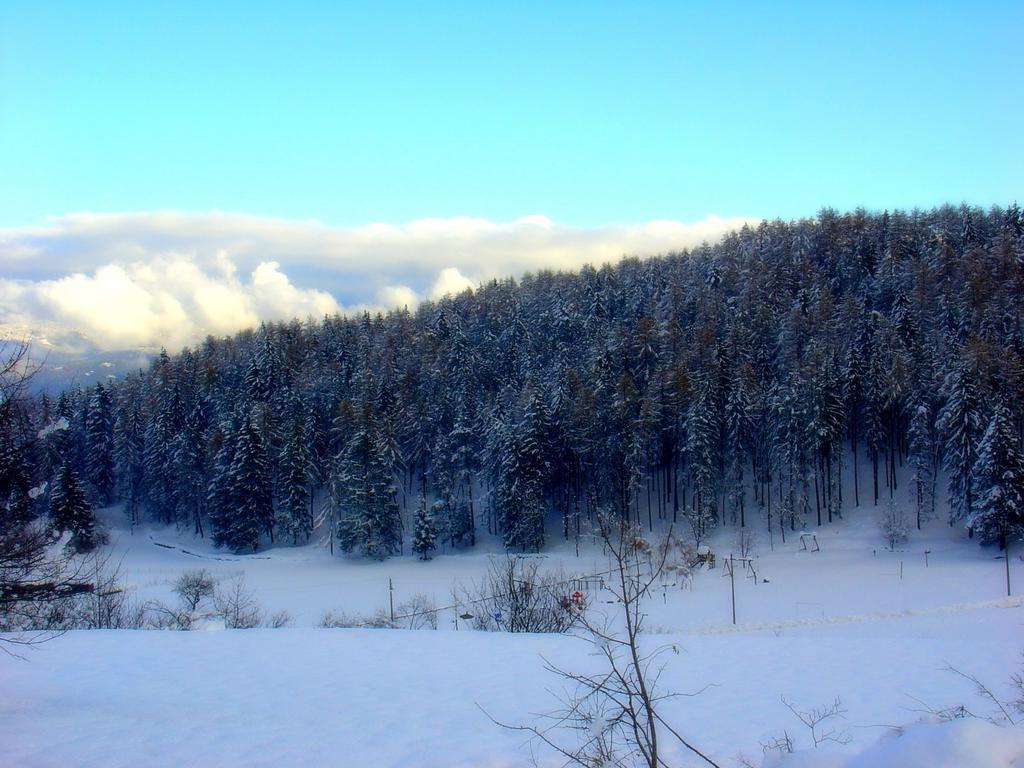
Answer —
59 440
702 447
189 459
922 450
243 495
130 458
251 489
296 473
15 503
519 491
160 487
826 430
853 393
100 438
999 476
739 428
364 494
17 446
424 534
960 423
790 420
451 472
874 425
70 511
220 502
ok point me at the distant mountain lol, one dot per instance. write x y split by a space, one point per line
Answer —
68 358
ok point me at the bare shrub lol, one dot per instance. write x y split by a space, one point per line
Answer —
340 620
1002 716
159 615
780 744
237 606
195 590
746 542
109 604
418 612
611 718
822 722
193 587
516 596
332 619
701 520
893 524
85 593
379 620
279 620
37 588
676 557
1017 685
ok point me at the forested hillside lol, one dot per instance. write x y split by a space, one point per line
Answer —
742 383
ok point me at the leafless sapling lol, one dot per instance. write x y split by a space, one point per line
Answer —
611 717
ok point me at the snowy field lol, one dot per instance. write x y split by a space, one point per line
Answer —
853 575
853 620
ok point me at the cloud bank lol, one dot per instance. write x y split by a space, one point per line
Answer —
164 278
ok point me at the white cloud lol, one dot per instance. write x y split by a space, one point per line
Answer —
449 282
167 301
142 279
397 296
275 297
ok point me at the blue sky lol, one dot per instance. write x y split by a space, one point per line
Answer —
169 170
588 113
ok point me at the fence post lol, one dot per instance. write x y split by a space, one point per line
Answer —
732 585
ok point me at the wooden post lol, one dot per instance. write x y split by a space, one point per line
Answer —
391 598
732 585
1007 553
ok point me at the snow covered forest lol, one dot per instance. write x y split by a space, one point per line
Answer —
864 371
742 383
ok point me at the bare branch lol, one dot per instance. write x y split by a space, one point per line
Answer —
984 692
613 714
815 717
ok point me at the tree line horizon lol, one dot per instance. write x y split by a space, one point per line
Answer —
738 383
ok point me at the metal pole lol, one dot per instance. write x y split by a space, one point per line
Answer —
732 585
391 598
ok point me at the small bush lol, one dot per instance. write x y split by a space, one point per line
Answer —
109 605
418 612
515 596
894 526
279 620
745 542
332 619
195 586
341 620
237 606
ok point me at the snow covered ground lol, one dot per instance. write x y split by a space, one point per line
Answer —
838 622
853 575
